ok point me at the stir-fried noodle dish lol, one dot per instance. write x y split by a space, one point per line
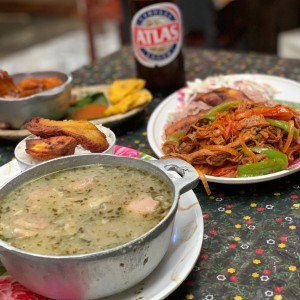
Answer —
235 136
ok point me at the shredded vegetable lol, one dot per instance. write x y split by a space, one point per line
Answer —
290 136
246 149
203 180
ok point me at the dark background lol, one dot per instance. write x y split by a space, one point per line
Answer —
244 25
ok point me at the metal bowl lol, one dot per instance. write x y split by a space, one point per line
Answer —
51 104
103 273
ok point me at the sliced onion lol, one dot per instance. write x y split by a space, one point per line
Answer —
203 179
246 149
290 136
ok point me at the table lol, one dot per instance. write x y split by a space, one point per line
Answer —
251 232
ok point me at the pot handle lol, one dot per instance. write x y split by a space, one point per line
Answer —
184 176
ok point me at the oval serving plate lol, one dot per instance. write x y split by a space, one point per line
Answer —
288 91
77 92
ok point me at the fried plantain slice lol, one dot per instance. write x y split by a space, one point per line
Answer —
85 133
123 87
8 89
50 148
136 99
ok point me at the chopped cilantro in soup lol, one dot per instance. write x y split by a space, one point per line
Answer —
83 210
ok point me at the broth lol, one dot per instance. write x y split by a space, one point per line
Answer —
83 210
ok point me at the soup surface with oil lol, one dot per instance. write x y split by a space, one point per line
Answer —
83 210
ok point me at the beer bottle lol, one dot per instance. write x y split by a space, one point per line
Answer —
156 36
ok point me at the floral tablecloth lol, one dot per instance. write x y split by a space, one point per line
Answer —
251 232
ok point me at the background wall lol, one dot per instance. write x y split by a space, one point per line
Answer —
242 25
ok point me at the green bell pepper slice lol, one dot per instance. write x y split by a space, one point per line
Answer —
175 137
210 115
271 153
277 161
283 125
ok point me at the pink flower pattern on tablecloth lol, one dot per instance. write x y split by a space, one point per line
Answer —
10 289
130 152
124 151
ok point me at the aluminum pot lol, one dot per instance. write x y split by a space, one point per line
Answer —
50 104
104 273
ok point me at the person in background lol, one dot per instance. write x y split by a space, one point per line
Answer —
231 24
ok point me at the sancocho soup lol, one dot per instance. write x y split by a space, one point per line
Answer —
83 209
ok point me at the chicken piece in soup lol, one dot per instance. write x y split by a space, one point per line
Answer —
83 210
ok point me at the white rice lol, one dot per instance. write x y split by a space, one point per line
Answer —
25 160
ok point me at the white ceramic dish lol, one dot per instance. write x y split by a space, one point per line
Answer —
26 161
180 258
288 90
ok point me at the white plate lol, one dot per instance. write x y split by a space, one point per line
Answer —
288 90
180 258
27 161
